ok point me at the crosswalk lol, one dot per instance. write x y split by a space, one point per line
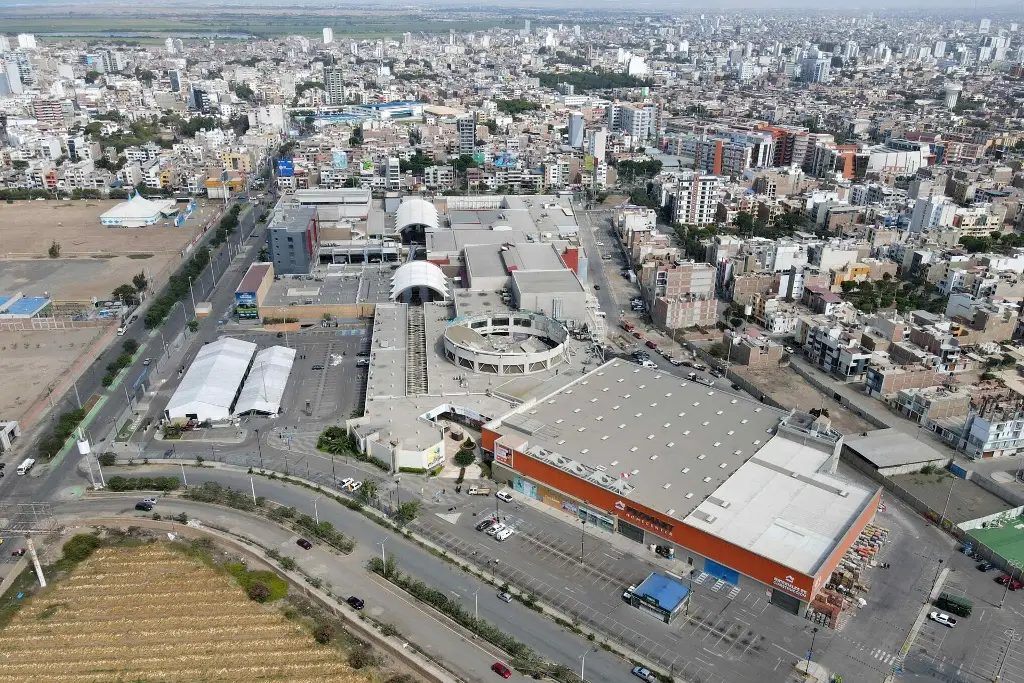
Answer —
883 656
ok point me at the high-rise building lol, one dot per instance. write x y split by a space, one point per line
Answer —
393 179
939 50
407 40
597 144
26 41
328 36
294 238
174 76
984 25
5 85
815 69
526 25
467 134
113 61
334 84
952 91
695 200
576 130
13 77
198 99
169 46
5 44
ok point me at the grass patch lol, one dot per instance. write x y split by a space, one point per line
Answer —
246 578
50 610
139 257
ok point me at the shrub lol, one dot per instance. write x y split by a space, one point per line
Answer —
80 547
464 458
143 483
324 633
130 346
258 591
108 379
107 459
361 658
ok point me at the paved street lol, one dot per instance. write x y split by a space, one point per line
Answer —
347 575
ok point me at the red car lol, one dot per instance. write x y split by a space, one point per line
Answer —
501 670
651 344
1013 584
638 335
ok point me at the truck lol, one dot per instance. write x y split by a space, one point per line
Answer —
954 603
26 465
479 491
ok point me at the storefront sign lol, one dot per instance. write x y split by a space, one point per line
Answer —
434 457
569 507
619 505
786 584
503 454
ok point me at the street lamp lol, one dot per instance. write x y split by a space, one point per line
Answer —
383 559
583 663
316 513
937 570
259 447
810 653
1014 564
583 529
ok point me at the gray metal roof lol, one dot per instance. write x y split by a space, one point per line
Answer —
893 448
650 436
546 281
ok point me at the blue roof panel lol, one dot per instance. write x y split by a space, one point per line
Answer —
27 305
668 592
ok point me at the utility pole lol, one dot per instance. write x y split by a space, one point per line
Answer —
583 530
948 495
259 447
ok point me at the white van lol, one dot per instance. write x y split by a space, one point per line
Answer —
26 465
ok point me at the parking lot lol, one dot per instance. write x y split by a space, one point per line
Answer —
729 633
337 387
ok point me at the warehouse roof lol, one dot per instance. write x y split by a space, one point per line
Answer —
212 381
647 435
264 388
893 448
546 281
780 506
254 277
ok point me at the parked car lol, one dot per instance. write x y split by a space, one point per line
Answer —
318 367
627 594
495 529
356 486
355 603
651 344
501 670
505 597
676 362
144 506
1011 583
304 544
638 334
597 286
504 533
986 567
504 495
484 524
644 674
346 482
18 552
788 349
280 334
943 619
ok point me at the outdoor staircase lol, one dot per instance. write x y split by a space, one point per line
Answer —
415 352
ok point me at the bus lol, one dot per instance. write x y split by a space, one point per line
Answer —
955 604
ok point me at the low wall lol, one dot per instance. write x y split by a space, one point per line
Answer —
1006 515
34 324
1003 492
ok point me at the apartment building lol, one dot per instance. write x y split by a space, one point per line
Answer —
692 196
294 238
679 294
832 349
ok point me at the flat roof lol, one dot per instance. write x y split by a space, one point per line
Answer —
387 374
892 448
478 303
292 217
253 277
664 590
546 281
780 506
667 443
497 259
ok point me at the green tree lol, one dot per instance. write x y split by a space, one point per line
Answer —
54 250
140 282
130 346
368 491
244 92
407 512
464 458
19 165
193 325
744 221
258 591
126 294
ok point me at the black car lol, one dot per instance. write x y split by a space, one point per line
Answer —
986 567
484 524
303 543
318 367
363 354
356 603
280 334
144 506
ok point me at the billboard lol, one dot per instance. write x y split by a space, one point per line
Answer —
588 163
503 454
285 168
479 157
366 166
245 298
247 312
339 160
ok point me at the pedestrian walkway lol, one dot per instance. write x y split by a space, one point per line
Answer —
676 567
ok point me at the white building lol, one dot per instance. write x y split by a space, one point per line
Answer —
209 389
328 36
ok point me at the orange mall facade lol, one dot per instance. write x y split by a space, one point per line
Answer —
789 589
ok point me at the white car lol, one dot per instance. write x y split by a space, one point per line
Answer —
504 495
600 244
504 533
151 501
943 619
495 529
346 482
356 486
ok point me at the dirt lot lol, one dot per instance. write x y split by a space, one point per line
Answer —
30 362
151 613
793 391
966 501
93 259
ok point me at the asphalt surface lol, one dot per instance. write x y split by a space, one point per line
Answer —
549 640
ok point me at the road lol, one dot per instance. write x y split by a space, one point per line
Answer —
153 344
347 575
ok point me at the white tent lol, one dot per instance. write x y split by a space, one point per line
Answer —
208 389
264 388
138 211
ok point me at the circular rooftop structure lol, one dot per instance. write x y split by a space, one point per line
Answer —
414 218
416 280
506 343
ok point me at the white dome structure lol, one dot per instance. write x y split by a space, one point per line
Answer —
418 275
415 216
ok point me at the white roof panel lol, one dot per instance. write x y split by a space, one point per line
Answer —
209 387
264 388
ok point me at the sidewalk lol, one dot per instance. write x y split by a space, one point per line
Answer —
675 567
